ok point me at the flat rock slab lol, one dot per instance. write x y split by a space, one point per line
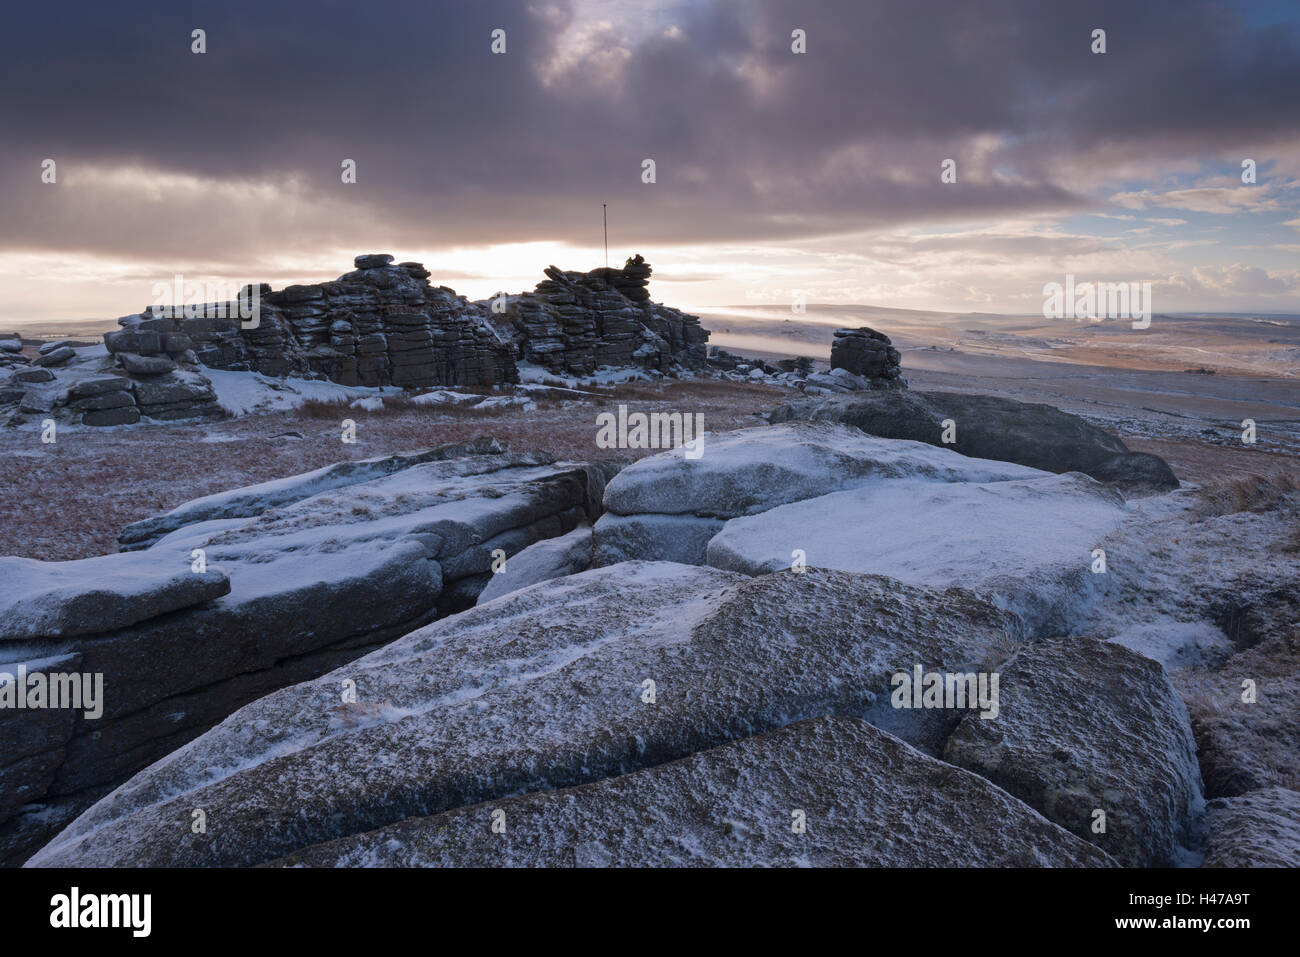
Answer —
752 470
55 357
127 415
98 385
867 800
95 595
1087 725
990 427
1258 829
541 561
34 375
1029 542
541 689
145 365
252 500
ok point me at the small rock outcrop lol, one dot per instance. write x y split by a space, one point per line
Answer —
722 360
11 350
114 389
868 354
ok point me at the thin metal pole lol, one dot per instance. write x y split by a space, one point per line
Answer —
604 214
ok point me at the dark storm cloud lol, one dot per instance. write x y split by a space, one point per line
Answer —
457 146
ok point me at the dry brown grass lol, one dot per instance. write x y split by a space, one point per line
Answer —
1206 463
686 390
69 500
1248 493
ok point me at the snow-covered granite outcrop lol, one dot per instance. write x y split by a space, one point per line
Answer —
86 387
1025 542
825 494
67 599
753 470
233 595
542 688
642 713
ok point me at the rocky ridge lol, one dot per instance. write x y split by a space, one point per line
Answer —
386 324
229 597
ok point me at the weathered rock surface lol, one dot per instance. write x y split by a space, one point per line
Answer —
1025 543
868 800
33 739
653 537
54 357
300 577
541 689
989 427
252 500
126 415
752 470
1257 829
540 562
145 365
1083 726
1248 745
93 386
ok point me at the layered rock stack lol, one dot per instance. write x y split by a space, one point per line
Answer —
868 353
11 360
11 348
158 378
385 324
381 324
575 322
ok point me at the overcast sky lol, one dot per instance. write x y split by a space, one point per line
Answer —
776 171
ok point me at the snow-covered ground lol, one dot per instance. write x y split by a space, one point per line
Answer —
246 393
